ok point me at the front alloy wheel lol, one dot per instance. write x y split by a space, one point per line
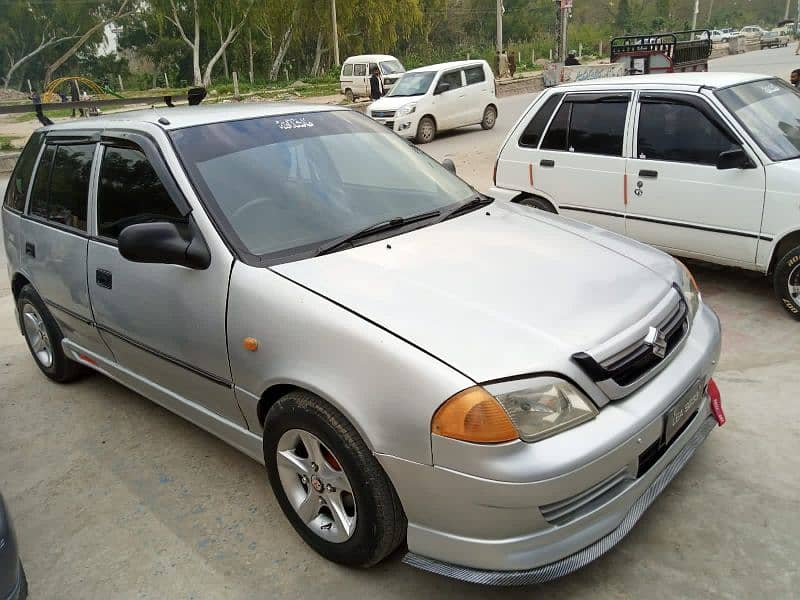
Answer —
36 335
316 486
787 282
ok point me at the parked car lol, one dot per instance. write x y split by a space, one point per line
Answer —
432 99
13 583
716 35
356 71
752 31
773 39
703 165
506 390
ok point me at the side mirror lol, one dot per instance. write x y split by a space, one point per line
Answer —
449 165
162 243
734 159
442 87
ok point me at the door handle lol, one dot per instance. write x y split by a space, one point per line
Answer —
649 174
103 278
30 249
546 162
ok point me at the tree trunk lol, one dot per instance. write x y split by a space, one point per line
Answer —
224 52
284 47
14 65
317 55
788 8
250 53
196 72
120 14
710 10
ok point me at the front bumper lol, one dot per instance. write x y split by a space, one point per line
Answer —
520 513
405 126
583 557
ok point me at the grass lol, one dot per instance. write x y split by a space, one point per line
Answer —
6 142
31 116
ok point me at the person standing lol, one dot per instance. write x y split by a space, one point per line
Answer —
504 72
375 84
512 62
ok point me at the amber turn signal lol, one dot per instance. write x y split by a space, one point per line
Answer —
474 416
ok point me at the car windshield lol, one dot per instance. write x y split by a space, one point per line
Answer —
770 111
413 84
283 186
392 67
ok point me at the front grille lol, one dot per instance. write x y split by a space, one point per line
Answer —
383 114
639 358
629 367
574 507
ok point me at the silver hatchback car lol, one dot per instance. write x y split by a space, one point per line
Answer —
503 390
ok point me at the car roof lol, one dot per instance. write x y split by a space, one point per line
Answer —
370 57
695 80
449 65
189 116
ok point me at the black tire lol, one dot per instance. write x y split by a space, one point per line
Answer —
489 117
381 523
348 93
539 203
23 584
62 369
787 273
426 130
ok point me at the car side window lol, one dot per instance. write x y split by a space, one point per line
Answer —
348 70
359 70
598 127
533 131
130 192
474 75
17 190
556 137
453 78
680 133
61 190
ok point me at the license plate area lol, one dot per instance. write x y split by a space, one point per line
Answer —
682 411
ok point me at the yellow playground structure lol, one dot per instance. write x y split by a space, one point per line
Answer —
84 84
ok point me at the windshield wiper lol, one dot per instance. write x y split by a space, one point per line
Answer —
475 203
374 229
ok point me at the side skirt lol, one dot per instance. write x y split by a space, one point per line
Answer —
232 434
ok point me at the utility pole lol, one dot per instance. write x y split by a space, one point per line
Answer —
695 13
336 34
788 9
500 25
566 6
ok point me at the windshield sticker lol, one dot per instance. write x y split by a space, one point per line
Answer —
770 88
294 123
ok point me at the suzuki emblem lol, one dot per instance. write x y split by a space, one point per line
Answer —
657 342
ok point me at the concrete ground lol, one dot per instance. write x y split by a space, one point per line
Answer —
114 497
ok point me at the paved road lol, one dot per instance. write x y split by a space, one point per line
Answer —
115 497
775 61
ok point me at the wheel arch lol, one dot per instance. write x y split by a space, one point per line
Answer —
18 281
781 248
520 198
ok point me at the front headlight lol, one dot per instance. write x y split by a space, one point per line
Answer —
690 291
544 407
406 110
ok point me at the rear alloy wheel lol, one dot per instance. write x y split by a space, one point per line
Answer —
426 130
329 484
489 117
787 282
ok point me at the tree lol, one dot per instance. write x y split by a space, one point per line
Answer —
623 16
95 18
203 15
25 33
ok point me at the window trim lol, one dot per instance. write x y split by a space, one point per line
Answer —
695 101
31 176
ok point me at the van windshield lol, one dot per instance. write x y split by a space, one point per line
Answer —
770 112
391 67
413 84
282 187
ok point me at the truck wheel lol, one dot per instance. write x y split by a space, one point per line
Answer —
328 483
43 337
348 93
786 280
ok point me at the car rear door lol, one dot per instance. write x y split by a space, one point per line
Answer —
360 80
677 198
54 236
451 104
165 323
580 164
478 94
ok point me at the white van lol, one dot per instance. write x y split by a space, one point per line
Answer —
439 97
354 78
702 165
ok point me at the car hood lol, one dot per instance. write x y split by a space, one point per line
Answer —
392 102
495 293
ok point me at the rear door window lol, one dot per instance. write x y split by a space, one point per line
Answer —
359 70
598 127
130 192
474 75
61 190
21 177
347 71
556 138
533 132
